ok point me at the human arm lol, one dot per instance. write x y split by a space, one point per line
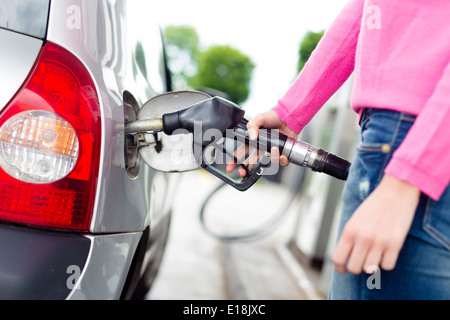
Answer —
376 232
423 157
328 68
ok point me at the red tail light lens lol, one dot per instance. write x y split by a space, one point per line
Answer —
50 139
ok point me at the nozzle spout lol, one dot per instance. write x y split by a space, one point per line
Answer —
143 126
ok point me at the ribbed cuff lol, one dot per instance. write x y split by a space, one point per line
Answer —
288 119
429 185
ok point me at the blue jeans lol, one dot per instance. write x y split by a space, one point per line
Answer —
423 267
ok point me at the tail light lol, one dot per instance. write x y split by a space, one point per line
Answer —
50 146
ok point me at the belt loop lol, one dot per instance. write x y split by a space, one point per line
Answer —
366 113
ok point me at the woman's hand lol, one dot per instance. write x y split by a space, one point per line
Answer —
268 120
376 232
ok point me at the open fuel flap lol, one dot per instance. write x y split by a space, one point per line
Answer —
162 152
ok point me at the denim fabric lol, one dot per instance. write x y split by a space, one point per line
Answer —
423 267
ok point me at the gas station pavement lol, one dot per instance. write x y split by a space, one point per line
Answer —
198 266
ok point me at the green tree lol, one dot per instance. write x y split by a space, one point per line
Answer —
307 46
182 52
226 69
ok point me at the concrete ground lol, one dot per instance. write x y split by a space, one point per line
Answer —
198 266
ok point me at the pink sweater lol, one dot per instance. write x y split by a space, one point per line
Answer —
399 52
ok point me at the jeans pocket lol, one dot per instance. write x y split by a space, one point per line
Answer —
436 219
374 155
369 167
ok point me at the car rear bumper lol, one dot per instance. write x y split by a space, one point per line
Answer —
44 265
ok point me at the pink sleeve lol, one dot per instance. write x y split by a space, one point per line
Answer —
423 158
328 68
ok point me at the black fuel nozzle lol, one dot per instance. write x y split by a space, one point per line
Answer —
222 115
215 113
225 120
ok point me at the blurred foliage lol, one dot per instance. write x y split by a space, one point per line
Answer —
219 67
225 69
184 38
182 52
307 46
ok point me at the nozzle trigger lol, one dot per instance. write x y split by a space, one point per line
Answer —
247 182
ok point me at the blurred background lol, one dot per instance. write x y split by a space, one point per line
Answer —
268 33
250 52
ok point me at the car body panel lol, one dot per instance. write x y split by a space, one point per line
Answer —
34 263
106 269
106 32
18 53
43 265
120 46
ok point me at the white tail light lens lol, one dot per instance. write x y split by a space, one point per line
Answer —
38 147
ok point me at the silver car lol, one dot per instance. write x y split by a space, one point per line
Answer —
81 217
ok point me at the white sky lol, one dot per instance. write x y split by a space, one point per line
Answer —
269 32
